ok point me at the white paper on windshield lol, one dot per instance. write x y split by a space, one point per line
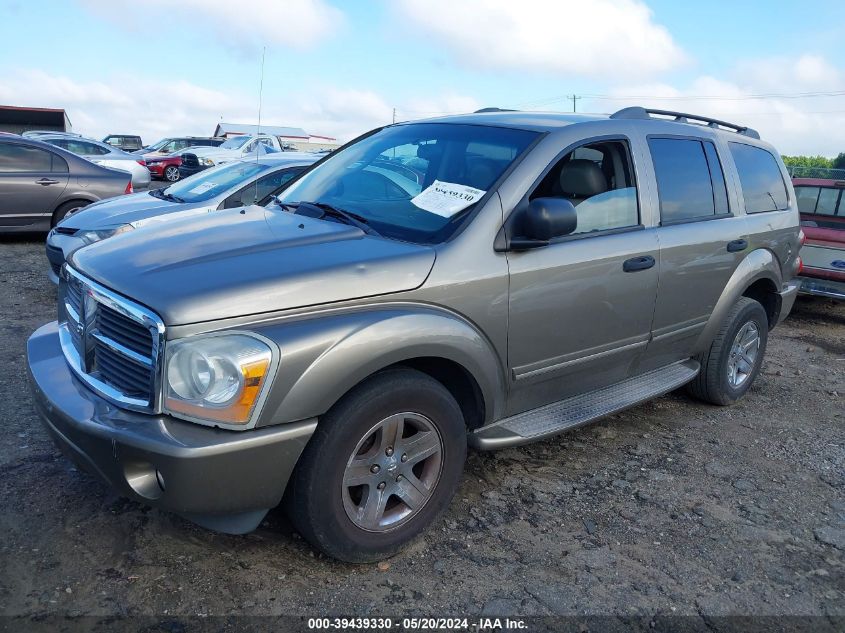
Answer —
203 187
447 198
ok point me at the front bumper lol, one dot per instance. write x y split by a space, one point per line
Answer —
156 171
185 171
223 480
823 287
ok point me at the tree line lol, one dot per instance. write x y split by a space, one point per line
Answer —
819 162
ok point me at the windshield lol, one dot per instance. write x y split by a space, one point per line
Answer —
212 182
235 142
413 182
156 146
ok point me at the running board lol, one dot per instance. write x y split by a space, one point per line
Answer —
564 415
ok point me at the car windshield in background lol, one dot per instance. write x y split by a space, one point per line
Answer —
212 182
413 182
235 142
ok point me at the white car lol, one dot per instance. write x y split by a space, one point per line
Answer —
235 148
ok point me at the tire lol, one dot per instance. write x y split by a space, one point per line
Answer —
715 382
66 209
171 173
329 512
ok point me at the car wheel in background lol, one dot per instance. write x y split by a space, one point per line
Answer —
171 173
68 209
730 365
382 465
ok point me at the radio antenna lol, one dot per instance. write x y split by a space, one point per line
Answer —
261 88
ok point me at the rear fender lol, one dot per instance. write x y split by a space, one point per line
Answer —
758 264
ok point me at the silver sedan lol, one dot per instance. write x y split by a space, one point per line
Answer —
227 186
105 155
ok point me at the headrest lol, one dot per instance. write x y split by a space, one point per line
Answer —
582 178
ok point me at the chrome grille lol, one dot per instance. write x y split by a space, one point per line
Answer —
124 330
111 343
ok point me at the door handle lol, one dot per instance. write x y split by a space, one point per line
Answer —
46 181
737 245
634 264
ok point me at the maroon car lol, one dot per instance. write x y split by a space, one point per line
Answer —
821 202
164 167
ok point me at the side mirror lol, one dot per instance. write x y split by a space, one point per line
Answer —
548 218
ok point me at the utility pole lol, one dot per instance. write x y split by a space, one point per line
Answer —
574 99
394 115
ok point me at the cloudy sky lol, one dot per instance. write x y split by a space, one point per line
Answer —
162 67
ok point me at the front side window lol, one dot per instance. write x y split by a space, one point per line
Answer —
215 181
690 182
260 191
759 174
20 158
415 182
598 180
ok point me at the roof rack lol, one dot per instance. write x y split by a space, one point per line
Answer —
637 112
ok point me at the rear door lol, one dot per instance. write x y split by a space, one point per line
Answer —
31 181
701 241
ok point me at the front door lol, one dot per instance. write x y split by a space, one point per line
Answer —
581 308
31 181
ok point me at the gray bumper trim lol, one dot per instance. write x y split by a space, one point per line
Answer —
225 480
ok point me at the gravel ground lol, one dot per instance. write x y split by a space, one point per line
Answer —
671 508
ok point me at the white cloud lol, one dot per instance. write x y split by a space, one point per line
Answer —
239 24
749 96
606 38
161 107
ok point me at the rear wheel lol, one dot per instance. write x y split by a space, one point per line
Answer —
171 173
382 466
67 210
730 365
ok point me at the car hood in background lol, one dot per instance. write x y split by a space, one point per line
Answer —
126 210
214 153
238 262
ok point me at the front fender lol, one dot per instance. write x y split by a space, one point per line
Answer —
324 356
758 264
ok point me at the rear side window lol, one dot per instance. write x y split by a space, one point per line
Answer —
690 181
59 164
828 199
20 158
762 183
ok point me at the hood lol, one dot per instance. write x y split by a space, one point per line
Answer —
238 262
212 152
126 210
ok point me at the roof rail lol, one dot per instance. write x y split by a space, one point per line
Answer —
637 112
493 110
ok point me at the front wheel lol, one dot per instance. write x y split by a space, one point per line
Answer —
383 464
730 365
171 173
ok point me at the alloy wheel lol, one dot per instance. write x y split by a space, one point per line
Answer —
393 471
743 354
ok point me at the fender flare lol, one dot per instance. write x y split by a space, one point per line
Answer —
759 264
328 355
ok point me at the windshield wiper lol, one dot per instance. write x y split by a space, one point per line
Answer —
348 217
170 197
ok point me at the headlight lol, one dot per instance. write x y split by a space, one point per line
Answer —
217 378
206 161
89 237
